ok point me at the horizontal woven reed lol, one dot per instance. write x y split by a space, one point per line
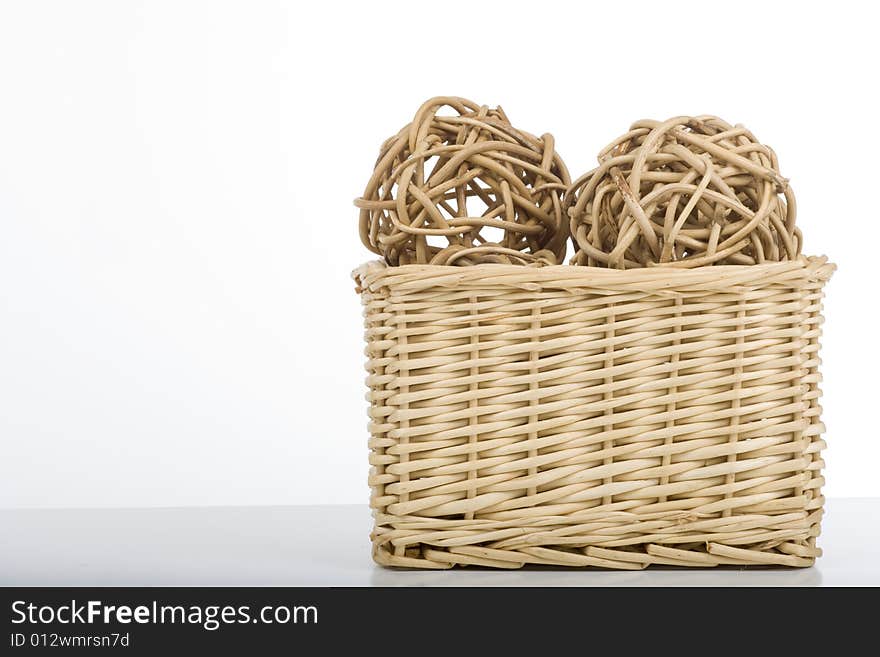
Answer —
580 416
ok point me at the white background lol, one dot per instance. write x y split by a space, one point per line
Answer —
177 322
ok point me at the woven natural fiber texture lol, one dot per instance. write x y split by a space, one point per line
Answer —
443 184
577 416
688 192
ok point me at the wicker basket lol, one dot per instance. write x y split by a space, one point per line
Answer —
576 416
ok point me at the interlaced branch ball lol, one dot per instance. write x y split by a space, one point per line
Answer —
687 192
445 183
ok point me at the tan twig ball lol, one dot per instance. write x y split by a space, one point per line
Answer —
688 192
445 183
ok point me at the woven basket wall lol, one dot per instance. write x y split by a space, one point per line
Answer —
578 416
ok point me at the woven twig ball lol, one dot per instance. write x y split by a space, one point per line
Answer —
687 192
465 188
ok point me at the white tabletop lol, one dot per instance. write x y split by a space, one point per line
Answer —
329 546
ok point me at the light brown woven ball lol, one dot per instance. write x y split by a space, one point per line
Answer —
687 192
465 188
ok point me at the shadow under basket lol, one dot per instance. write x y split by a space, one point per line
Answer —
576 416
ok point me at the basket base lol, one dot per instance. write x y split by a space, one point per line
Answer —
792 555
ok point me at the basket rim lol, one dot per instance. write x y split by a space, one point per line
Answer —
377 274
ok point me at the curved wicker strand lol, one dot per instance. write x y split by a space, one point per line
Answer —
417 207
686 192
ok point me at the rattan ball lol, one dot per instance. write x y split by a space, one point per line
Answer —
687 192
465 187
